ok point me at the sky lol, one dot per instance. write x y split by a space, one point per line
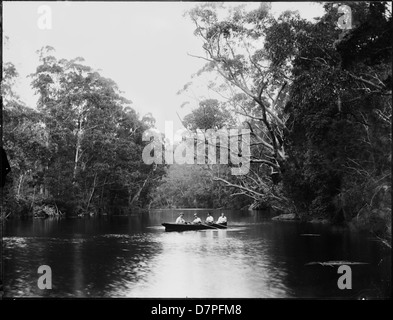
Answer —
142 46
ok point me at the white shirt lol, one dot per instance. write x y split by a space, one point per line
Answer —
180 220
197 220
209 219
222 219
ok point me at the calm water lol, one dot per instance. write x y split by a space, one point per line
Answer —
132 256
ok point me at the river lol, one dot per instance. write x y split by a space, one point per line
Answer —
133 256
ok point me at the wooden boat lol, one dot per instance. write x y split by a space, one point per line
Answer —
190 226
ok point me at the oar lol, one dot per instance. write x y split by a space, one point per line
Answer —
221 226
208 225
211 225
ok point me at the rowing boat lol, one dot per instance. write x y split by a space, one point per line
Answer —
190 226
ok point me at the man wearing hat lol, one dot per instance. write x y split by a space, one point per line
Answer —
197 220
180 219
209 219
222 219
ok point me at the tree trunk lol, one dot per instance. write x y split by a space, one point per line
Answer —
77 149
92 192
20 183
33 200
102 193
136 197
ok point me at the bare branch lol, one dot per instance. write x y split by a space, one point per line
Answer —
279 93
365 81
238 186
250 116
269 163
199 57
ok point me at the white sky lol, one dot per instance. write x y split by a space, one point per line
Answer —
142 46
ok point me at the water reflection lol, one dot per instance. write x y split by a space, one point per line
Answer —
209 263
134 257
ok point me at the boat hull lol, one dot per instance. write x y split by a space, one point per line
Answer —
189 226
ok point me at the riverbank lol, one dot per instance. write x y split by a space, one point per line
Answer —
376 223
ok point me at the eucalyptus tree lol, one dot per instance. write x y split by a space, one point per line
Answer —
316 98
96 135
255 88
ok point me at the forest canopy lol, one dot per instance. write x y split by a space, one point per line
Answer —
79 151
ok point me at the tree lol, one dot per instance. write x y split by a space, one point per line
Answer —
25 141
95 134
209 115
191 186
256 88
339 114
317 100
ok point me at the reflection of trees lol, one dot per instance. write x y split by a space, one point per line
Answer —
289 252
119 257
88 257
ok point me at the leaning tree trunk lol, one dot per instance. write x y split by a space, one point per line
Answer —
136 196
77 150
92 192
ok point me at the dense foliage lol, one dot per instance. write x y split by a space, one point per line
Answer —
318 102
192 186
340 118
195 185
79 151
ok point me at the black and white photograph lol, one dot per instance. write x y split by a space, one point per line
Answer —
196 150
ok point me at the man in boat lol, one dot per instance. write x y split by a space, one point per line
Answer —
197 220
209 219
222 218
180 219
